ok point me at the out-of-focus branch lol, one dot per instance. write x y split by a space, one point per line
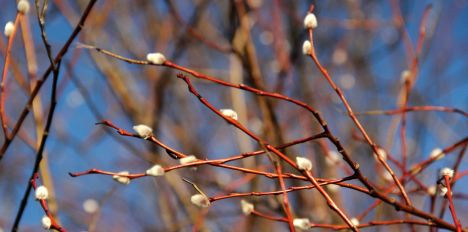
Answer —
45 76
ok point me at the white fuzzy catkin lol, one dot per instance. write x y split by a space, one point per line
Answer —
229 113
310 21
121 177
156 58
405 76
301 223
23 6
143 131
355 221
387 176
200 200
46 222
9 28
443 191
303 163
306 47
437 153
156 170
247 207
431 190
188 159
41 193
381 152
446 172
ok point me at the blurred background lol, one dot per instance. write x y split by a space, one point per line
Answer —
365 45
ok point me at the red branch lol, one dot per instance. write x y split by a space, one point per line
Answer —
371 189
43 203
450 200
11 38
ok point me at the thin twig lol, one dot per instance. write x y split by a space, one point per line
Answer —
45 76
11 38
371 189
353 117
450 200
416 109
